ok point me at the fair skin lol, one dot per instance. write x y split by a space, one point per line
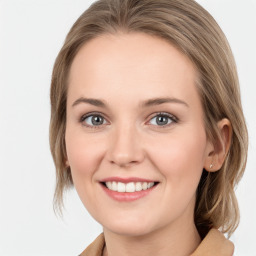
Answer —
163 141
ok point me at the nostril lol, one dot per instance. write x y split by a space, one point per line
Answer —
123 162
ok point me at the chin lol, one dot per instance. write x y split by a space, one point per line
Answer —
129 231
136 228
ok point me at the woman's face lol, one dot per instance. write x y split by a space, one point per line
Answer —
135 125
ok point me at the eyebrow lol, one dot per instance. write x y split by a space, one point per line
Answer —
94 102
147 103
159 101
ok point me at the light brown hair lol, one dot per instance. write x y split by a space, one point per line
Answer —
189 27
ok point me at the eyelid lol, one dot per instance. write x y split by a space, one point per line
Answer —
83 117
154 115
166 114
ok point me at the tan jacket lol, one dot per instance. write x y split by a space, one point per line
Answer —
214 244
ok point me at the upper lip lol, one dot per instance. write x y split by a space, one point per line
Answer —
126 180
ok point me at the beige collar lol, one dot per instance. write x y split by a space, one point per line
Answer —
214 244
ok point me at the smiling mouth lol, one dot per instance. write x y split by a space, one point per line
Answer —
129 187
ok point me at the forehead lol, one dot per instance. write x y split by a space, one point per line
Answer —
131 64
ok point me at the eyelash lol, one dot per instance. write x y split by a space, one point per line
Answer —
171 117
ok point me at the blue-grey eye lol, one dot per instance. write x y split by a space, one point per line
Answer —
161 120
94 120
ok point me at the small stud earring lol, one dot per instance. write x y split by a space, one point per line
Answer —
211 165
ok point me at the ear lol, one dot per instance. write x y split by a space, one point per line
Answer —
218 152
67 163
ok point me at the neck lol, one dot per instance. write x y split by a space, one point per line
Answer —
179 239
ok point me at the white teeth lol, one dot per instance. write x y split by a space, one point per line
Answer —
128 187
138 186
114 186
150 185
145 185
109 184
120 187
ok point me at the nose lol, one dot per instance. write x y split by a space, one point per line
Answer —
125 147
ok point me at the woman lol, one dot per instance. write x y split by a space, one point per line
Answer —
147 124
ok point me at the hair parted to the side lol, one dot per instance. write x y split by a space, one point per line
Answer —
189 27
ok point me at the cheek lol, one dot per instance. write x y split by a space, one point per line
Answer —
84 155
180 159
180 162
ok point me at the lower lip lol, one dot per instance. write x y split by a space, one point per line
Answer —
127 196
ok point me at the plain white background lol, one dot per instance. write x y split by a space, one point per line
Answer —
31 34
